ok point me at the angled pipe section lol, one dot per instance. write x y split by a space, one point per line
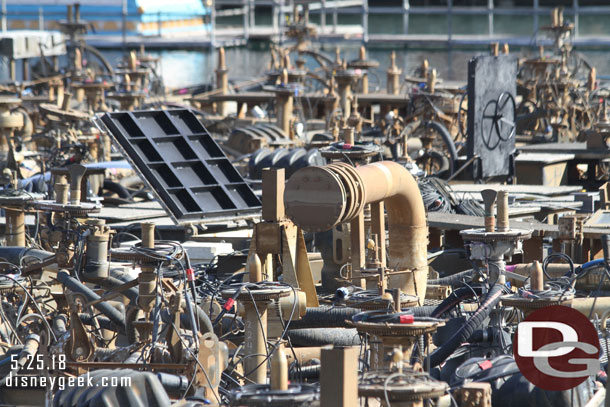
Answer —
319 198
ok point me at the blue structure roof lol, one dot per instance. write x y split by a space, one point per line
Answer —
106 15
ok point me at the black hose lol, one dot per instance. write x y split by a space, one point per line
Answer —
305 372
454 279
455 298
423 311
325 317
113 282
203 320
104 307
465 332
117 188
448 140
104 323
14 254
324 336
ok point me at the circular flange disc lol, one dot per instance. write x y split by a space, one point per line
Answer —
315 199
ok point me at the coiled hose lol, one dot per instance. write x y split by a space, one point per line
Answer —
455 298
448 140
324 336
325 317
465 332
336 317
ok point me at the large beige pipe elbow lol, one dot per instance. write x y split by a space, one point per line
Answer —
319 198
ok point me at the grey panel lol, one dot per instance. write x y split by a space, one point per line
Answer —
183 165
491 114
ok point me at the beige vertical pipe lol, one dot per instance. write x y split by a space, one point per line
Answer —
424 69
502 223
348 135
364 81
255 347
61 193
148 235
255 268
495 49
344 83
222 81
393 80
489 200
554 17
15 227
432 81
132 61
279 369
536 276
378 228
65 103
592 80
147 279
285 105
76 171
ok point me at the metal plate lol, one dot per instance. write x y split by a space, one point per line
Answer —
183 165
490 114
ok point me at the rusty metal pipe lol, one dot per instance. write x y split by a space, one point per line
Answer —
255 346
61 193
285 105
408 231
148 235
147 279
77 171
15 227
279 370
489 200
65 104
319 198
393 76
222 81
536 276
502 222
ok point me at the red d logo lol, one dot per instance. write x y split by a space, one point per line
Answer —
556 348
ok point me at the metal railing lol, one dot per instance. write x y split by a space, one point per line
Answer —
327 13
334 8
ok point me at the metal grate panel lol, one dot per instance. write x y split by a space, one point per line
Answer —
183 165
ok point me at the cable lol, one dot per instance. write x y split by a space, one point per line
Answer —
563 256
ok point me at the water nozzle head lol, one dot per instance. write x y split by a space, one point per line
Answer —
76 171
148 235
255 268
489 201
